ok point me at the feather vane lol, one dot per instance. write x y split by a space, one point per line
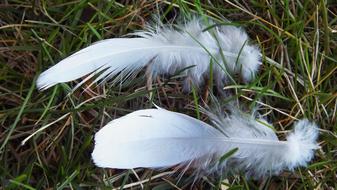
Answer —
164 50
157 138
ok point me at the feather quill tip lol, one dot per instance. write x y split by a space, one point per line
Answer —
44 82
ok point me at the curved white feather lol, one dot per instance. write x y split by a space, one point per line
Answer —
159 138
167 50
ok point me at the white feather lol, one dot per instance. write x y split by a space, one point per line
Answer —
166 51
156 138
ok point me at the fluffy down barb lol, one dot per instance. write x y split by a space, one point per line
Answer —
164 50
157 138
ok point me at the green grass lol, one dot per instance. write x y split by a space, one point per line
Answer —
298 79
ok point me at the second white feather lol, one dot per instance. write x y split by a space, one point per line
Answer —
157 138
165 51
